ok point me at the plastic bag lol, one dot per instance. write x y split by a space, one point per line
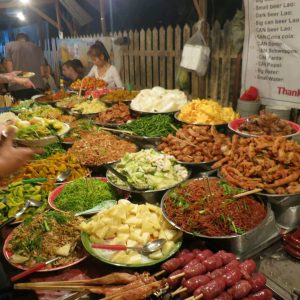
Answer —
195 54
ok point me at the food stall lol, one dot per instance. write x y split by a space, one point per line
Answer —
146 194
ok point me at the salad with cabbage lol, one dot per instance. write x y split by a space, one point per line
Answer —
149 169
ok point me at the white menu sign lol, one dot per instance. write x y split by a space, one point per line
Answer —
271 58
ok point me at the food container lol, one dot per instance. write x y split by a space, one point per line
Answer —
286 209
150 196
237 244
45 141
234 126
199 169
142 140
220 127
80 115
248 108
281 111
144 113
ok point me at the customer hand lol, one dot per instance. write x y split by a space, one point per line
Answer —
24 81
11 158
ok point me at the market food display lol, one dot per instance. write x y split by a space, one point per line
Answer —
159 100
119 95
52 97
45 111
266 123
50 168
266 162
88 83
150 170
79 129
98 148
23 105
38 128
74 195
195 144
47 235
13 197
151 126
90 107
8 117
70 102
50 150
206 112
191 207
132 225
117 114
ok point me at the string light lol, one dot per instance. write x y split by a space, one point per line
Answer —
21 16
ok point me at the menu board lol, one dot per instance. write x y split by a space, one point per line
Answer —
271 58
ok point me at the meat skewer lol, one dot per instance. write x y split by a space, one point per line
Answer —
193 270
238 290
264 294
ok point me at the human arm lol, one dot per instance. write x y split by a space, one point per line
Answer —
12 78
116 77
9 66
11 158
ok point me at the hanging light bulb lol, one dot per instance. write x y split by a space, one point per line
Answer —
25 1
21 16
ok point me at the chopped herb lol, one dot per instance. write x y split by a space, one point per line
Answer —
27 220
202 212
196 233
39 259
59 217
229 190
46 226
179 201
234 228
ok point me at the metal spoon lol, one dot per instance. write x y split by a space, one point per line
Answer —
28 203
124 178
61 177
146 250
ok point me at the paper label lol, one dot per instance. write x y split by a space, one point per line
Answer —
271 58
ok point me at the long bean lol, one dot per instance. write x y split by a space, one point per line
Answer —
152 126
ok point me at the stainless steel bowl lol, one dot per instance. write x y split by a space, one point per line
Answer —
150 196
143 139
220 127
237 244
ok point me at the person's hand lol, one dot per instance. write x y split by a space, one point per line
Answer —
11 158
24 82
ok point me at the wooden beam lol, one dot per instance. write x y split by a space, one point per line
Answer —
58 15
94 4
102 17
68 24
16 3
43 15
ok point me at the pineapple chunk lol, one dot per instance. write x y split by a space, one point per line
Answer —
167 247
156 255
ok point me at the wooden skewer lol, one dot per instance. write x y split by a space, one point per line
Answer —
178 291
194 298
159 273
121 293
117 130
80 90
247 193
32 286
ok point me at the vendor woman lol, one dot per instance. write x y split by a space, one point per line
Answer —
102 69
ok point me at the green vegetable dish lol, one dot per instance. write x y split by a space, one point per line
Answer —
84 194
49 151
150 170
44 237
13 198
152 126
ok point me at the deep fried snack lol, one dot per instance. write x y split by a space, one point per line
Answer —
265 162
266 123
195 144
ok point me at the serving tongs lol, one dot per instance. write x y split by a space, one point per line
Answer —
123 178
207 186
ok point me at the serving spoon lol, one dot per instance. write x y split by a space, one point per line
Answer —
124 178
61 177
28 202
146 250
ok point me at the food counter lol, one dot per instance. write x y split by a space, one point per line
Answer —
118 173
